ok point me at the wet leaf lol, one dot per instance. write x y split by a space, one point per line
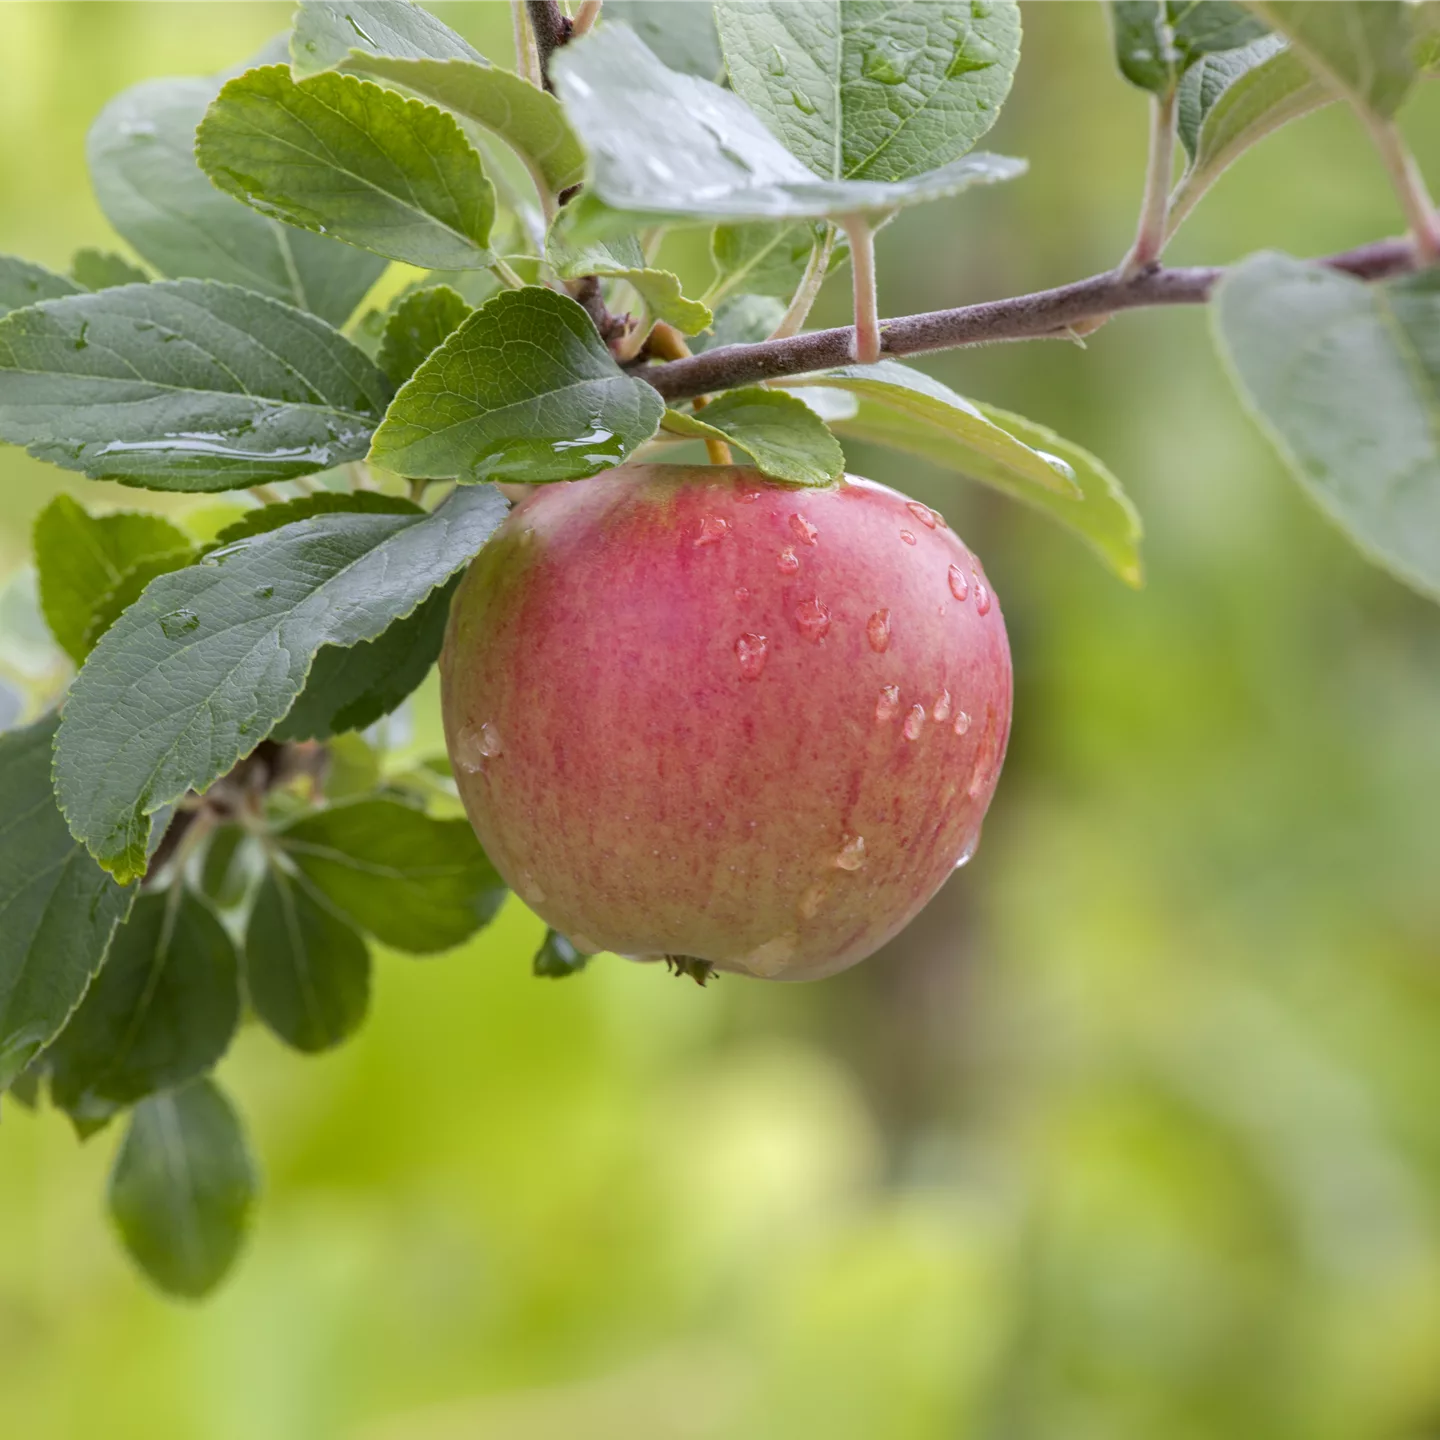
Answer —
58 908
524 390
307 973
141 151
162 1010
182 1189
670 146
884 90
1157 41
408 46
184 385
415 883
1344 377
213 655
347 158
785 438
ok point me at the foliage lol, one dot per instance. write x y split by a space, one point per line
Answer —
215 826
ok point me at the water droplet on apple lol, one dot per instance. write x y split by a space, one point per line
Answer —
923 513
887 707
972 844
787 562
742 593
982 597
914 722
770 958
813 619
907 537
750 652
852 853
805 532
962 723
941 710
712 531
877 629
959 585
811 900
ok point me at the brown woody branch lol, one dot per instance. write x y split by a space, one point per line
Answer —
1025 317
551 29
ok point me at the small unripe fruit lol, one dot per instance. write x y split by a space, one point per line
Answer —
693 713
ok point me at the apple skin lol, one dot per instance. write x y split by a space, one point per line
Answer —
665 700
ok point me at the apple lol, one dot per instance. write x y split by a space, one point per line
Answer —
698 715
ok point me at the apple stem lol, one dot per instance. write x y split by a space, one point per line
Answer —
1409 185
793 321
862 265
1155 206
718 451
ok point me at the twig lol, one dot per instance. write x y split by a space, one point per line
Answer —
1025 317
551 30
861 234
1409 185
1155 204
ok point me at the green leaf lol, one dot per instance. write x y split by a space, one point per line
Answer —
763 257
683 36
183 1188
130 587
212 656
415 883
408 46
557 957
80 558
1230 101
184 385
1344 377
620 258
741 320
418 325
1361 49
351 687
225 875
306 971
141 151
670 146
162 1010
265 518
343 157
1157 41
883 90
22 283
24 1089
780 432
1100 514
921 397
101 270
524 390
58 908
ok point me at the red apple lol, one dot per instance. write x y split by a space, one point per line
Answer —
697 714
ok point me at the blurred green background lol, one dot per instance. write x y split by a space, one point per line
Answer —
1135 1132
